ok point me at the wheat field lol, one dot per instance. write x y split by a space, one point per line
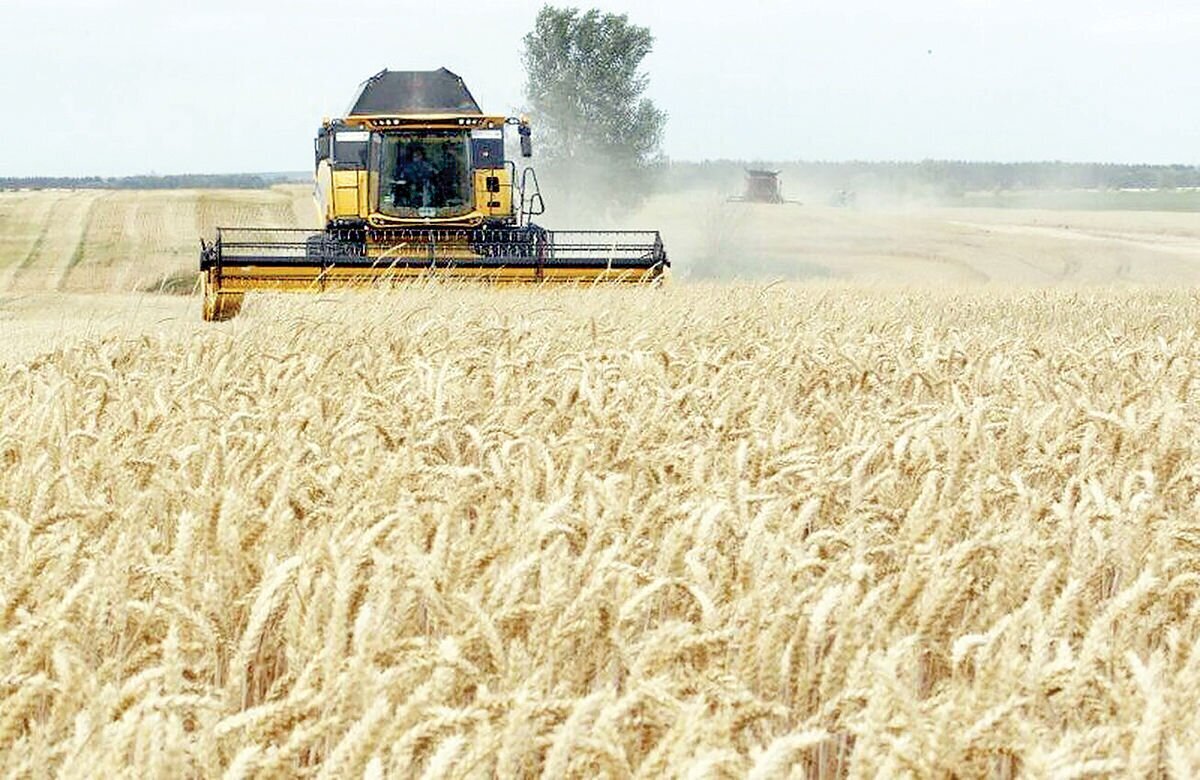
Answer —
788 530
65 241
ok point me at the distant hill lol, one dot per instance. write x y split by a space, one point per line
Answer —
200 181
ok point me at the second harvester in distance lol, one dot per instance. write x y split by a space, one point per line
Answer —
414 181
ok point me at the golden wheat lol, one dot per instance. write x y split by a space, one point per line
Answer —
697 531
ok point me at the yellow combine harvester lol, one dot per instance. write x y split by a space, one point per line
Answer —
413 182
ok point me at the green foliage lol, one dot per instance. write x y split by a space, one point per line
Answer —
584 83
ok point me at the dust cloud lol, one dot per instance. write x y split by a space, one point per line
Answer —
897 231
909 242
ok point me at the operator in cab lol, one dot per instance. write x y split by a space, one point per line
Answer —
447 178
417 174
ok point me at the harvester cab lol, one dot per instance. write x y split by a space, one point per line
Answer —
415 181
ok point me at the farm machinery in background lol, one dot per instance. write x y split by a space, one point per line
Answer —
415 182
762 186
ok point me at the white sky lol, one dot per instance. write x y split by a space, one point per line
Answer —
113 88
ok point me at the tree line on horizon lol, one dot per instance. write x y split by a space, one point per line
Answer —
234 181
948 176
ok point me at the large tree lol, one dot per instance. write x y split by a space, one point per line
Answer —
596 129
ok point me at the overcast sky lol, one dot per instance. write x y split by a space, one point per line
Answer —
112 88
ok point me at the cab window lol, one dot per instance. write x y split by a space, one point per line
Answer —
425 175
350 148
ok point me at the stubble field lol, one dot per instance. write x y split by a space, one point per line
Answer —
64 241
809 529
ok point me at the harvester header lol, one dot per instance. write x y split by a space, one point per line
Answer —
415 181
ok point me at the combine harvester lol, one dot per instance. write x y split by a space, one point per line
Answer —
412 183
762 186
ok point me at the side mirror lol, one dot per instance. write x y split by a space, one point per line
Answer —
526 141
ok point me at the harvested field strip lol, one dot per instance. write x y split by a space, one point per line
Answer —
272 208
304 209
28 259
137 238
92 240
81 244
24 224
111 244
52 256
23 217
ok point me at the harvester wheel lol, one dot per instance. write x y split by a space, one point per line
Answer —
219 306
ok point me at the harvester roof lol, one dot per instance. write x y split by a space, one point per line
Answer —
413 92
